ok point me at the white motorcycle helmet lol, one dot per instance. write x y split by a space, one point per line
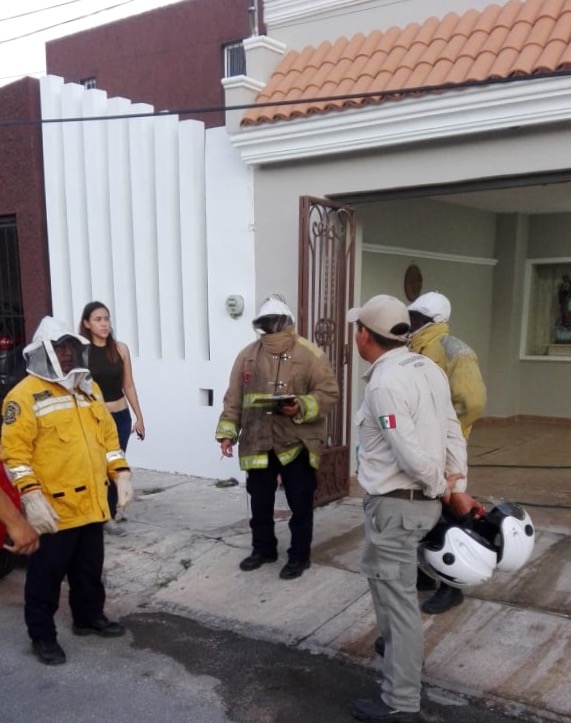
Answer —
514 535
457 555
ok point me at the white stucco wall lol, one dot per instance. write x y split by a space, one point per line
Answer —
153 217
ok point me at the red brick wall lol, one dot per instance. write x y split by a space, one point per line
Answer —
170 57
22 194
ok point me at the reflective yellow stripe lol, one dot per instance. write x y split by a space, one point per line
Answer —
17 473
53 404
116 454
310 407
254 461
258 399
226 430
290 454
260 461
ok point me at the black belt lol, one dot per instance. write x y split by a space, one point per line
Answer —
407 495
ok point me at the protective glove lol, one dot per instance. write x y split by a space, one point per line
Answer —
125 491
39 513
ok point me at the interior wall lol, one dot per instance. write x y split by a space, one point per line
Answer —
436 228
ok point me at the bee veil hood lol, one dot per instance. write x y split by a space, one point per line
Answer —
42 361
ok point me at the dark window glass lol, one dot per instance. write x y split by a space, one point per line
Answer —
234 60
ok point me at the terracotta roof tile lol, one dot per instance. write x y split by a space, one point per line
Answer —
466 23
518 38
488 19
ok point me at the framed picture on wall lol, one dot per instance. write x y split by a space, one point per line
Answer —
546 321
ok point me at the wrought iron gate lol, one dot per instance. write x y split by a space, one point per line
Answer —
327 269
12 334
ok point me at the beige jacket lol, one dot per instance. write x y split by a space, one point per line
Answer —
281 363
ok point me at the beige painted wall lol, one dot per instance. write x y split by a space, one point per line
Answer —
431 226
514 386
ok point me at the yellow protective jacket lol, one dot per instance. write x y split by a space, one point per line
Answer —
460 363
281 363
63 443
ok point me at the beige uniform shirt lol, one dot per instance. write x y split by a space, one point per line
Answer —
409 434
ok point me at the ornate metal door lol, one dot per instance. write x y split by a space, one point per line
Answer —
327 268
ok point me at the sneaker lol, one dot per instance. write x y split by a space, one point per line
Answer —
112 527
444 599
293 569
100 626
48 651
256 560
376 710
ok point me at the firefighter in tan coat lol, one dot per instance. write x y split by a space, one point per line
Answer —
281 389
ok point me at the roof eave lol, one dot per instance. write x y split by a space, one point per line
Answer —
485 109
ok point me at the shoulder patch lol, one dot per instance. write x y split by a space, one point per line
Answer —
12 412
40 396
388 421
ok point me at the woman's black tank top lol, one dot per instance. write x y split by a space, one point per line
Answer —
108 374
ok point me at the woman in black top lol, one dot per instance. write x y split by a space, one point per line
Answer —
110 365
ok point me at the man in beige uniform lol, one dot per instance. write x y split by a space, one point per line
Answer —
411 455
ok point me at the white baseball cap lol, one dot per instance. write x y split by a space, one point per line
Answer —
385 315
433 305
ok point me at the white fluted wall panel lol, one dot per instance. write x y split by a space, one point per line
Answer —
97 198
194 256
143 190
154 217
55 196
75 194
124 313
168 237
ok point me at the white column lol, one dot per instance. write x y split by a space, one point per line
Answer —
54 181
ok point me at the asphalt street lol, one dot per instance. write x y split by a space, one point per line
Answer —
170 669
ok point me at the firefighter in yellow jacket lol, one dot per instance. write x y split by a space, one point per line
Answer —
281 389
60 447
430 336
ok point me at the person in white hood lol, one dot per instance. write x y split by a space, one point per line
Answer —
60 447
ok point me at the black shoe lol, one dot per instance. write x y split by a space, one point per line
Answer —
256 560
380 646
424 582
376 710
100 626
48 651
444 599
293 569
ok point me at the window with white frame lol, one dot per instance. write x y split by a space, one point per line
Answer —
546 321
234 59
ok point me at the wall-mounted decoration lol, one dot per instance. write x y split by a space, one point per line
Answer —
546 327
412 282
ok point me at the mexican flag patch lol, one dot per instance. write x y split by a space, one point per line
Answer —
388 421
